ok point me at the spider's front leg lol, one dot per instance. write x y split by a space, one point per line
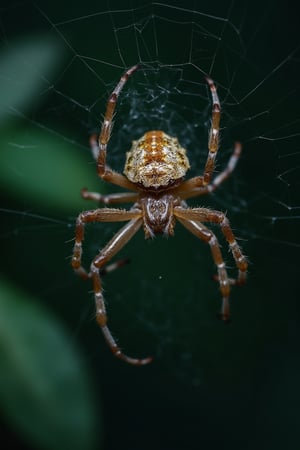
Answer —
219 218
134 219
191 218
113 247
95 215
202 232
109 199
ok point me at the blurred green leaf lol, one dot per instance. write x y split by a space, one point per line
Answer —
26 66
44 387
45 170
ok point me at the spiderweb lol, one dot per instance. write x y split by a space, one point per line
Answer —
250 49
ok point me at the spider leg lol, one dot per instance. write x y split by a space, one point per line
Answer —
208 236
96 215
113 247
195 187
228 169
109 199
100 154
212 216
213 141
106 173
134 219
113 266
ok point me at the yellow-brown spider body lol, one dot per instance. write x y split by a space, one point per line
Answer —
154 177
158 214
156 160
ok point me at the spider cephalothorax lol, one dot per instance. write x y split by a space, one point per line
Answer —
154 174
156 160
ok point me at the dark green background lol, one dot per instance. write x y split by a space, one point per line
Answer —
210 385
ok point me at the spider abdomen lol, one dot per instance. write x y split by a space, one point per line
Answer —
156 160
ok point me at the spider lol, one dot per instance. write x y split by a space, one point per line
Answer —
154 174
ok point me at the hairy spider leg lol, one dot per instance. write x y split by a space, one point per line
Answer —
213 141
110 199
191 219
193 187
202 184
95 215
218 217
98 265
103 170
206 235
113 246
